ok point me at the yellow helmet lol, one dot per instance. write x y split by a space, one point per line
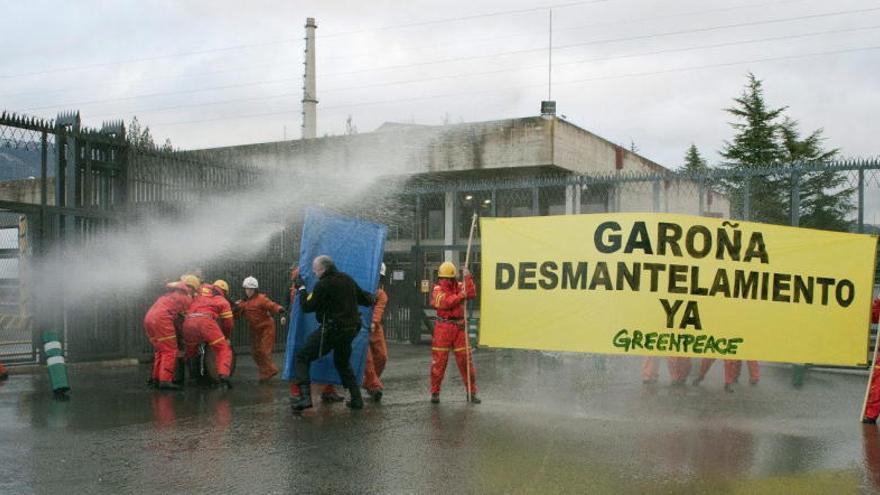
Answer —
447 270
222 285
192 281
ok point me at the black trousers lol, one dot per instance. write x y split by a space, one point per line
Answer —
336 339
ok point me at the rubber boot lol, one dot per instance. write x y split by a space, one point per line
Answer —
375 395
168 386
475 399
305 398
356 401
330 398
224 381
179 371
435 398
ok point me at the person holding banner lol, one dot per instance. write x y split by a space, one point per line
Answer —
450 332
328 391
872 403
732 370
679 369
335 301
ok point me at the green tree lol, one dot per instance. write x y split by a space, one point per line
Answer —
141 138
694 161
825 196
756 143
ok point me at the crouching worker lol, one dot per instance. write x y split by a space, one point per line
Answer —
159 325
335 302
450 334
258 310
201 325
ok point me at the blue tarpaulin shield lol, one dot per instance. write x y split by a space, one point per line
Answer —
356 246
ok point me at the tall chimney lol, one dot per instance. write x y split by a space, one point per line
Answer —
310 97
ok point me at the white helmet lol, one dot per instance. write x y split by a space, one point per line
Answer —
382 270
250 283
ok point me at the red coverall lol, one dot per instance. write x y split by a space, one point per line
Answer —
449 332
159 327
201 326
679 368
294 387
872 409
257 312
4 374
732 369
377 352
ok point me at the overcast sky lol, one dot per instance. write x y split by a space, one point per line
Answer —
655 73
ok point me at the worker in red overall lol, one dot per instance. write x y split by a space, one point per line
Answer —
328 391
210 320
377 351
159 325
257 309
450 332
872 407
732 370
4 373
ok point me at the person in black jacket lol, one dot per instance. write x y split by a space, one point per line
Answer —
335 302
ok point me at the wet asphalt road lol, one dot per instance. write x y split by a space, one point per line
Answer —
545 426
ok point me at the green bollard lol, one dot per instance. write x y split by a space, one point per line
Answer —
55 363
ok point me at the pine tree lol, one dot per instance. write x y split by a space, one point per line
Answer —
694 161
825 198
756 144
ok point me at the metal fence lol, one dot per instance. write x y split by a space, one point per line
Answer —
61 183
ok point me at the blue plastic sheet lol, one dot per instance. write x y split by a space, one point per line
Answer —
357 247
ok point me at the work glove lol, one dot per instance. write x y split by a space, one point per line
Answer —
283 321
299 282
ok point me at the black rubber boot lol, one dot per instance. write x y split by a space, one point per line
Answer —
375 395
332 397
305 398
435 398
224 381
168 386
475 399
151 383
869 421
356 401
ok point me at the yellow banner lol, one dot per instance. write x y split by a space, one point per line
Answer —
676 285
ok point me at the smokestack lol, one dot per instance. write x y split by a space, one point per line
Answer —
310 100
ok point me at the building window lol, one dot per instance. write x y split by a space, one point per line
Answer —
551 201
433 216
468 203
514 203
596 198
402 215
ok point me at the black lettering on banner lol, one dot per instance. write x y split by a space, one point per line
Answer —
654 268
696 290
677 275
742 286
668 234
781 285
851 293
633 277
600 276
803 290
691 316
526 273
690 241
505 276
725 244
825 282
551 279
721 284
670 311
613 240
756 249
638 239
574 279
765 285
